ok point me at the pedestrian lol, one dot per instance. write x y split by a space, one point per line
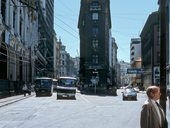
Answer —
25 89
152 114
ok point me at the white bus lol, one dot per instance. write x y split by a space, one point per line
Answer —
66 87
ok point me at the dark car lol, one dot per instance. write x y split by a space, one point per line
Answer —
129 94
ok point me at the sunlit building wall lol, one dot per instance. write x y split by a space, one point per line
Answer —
135 49
19 35
150 50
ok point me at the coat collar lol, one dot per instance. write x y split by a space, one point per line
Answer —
150 103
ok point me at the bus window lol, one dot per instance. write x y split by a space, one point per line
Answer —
43 85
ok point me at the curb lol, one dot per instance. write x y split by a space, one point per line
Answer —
13 99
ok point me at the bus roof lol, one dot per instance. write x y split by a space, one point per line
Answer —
43 78
54 79
67 77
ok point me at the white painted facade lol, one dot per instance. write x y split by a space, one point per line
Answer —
135 49
21 35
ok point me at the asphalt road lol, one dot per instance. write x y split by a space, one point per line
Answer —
87 111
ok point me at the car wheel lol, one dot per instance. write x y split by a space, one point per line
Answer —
73 97
50 94
58 97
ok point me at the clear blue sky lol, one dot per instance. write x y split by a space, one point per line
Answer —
127 18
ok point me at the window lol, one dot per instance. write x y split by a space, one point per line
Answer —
83 23
95 16
63 62
95 43
95 59
14 15
95 31
95 6
95 3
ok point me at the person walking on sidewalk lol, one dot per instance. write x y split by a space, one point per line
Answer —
152 114
26 89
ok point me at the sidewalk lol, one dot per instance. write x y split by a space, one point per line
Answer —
13 99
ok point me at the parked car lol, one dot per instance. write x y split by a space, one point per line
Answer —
129 94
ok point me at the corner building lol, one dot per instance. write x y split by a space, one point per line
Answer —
94 29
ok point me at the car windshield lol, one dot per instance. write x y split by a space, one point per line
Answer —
130 90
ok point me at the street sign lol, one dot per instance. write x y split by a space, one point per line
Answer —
134 71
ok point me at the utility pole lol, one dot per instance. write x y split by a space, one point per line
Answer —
30 50
163 53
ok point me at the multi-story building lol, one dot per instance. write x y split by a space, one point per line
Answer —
94 28
118 75
150 50
135 61
166 28
124 77
26 41
76 61
46 31
135 49
18 36
113 62
66 65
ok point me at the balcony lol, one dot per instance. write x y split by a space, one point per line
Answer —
95 8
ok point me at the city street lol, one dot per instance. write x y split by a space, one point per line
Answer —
87 111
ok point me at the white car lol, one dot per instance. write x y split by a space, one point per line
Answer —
136 89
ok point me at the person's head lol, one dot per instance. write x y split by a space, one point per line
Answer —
153 92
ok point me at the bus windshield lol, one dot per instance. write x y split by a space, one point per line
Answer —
68 82
43 82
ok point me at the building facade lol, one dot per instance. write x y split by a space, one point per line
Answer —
46 31
135 61
124 77
114 62
150 43
135 49
94 29
167 26
18 36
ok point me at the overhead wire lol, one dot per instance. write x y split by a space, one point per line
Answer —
66 24
67 31
123 15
